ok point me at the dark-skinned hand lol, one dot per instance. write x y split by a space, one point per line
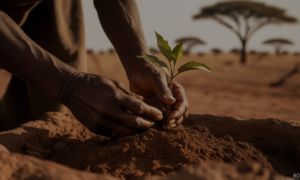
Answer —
107 108
147 80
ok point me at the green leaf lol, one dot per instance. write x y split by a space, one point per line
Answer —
177 52
164 47
156 61
193 66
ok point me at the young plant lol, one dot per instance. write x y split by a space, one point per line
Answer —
172 57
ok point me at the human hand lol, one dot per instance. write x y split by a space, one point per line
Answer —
147 80
106 107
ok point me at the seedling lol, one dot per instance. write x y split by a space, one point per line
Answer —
172 57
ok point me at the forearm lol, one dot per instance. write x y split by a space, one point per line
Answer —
121 22
28 61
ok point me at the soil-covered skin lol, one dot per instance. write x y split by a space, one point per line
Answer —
155 152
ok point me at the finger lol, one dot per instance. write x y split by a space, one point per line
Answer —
181 105
137 96
162 91
172 125
140 108
131 121
179 121
186 114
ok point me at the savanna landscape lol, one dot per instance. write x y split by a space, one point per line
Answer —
243 123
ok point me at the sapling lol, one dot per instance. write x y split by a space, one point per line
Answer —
172 57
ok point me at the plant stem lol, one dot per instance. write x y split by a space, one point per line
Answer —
170 85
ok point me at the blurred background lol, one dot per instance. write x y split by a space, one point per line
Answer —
252 48
174 19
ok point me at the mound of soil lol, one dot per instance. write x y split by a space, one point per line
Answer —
15 166
62 139
154 152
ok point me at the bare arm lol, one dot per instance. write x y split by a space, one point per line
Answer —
27 60
100 103
121 22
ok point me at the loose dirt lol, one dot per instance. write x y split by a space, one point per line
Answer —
153 154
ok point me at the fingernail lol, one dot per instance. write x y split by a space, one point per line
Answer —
169 97
172 121
159 117
147 123
172 125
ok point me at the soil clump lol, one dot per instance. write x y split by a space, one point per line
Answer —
154 152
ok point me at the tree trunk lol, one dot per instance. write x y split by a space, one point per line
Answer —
243 52
277 50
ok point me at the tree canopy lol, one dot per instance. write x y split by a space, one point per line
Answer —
244 18
189 42
216 51
278 43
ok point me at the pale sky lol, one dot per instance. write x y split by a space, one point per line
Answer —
173 19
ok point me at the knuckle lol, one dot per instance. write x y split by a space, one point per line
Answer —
138 108
179 86
119 84
155 71
117 95
134 123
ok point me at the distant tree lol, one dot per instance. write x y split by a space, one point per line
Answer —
111 51
235 51
296 53
277 43
244 18
253 52
101 52
216 51
90 51
189 42
262 55
200 54
153 50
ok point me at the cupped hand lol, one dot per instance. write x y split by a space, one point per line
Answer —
107 108
147 80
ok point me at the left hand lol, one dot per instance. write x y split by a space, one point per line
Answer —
148 81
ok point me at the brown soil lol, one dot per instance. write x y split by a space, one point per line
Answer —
63 139
154 152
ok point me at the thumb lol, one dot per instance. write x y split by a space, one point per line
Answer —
162 91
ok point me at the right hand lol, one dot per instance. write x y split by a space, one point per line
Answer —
107 108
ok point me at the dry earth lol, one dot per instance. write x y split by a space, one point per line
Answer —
25 151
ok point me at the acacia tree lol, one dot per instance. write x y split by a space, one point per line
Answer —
189 42
244 18
216 51
277 43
